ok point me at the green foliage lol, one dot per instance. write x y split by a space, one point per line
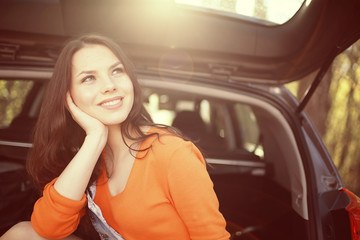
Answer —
12 97
293 87
343 131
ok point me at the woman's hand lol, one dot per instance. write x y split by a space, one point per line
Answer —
74 179
91 125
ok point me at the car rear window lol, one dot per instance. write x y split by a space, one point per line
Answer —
268 11
220 128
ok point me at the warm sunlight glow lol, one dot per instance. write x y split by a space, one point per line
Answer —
274 11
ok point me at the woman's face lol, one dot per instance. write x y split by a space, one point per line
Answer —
100 86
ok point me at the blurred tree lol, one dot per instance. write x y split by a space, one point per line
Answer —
334 111
260 10
343 135
319 104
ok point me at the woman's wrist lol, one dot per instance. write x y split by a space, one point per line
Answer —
97 137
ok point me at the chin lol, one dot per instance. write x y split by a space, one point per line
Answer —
113 122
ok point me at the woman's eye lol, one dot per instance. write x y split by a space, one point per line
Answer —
88 78
118 71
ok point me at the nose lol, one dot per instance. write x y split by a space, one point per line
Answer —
108 85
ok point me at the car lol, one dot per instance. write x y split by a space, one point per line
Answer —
220 79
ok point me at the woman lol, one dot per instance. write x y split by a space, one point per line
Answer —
96 150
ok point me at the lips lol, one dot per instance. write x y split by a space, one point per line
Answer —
112 102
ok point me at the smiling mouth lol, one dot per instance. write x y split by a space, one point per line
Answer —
112 103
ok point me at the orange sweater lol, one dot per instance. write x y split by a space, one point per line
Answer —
169 195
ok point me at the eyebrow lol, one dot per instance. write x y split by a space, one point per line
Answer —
92 71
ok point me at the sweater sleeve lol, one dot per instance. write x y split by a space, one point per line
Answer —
193 195
55 216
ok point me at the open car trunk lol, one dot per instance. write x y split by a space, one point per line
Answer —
252 155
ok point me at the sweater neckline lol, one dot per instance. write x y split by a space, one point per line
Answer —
139 155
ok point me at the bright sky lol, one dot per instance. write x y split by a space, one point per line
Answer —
278 11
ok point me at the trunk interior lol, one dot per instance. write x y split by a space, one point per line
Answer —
251 155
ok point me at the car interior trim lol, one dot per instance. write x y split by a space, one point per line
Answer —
297 183
15 144
25 74
235 163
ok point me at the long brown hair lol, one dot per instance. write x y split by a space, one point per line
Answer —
57 136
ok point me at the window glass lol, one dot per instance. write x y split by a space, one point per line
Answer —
199 118
155 105
271 11
222 128
248 129
12 97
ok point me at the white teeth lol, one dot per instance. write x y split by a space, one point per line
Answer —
111 103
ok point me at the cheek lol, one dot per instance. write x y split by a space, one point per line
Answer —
81 100
130 88
132 99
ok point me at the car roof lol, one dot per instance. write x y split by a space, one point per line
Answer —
163 34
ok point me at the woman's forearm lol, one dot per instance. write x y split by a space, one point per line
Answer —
73 181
